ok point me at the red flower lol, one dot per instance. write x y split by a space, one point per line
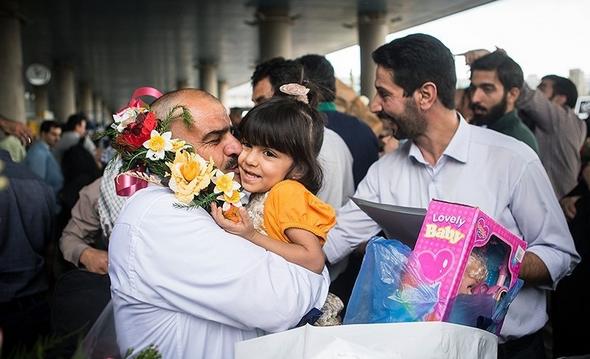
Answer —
138 132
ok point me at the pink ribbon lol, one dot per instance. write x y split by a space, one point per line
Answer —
126 185
136 101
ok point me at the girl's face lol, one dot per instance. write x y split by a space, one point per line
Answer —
262 167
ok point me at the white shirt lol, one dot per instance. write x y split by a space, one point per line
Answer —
482 168
336 162
182 283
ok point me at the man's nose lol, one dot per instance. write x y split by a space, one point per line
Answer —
476 95
233 147
375 105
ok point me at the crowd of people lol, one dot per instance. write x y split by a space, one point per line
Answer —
193 283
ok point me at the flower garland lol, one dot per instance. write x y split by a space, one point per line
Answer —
150 154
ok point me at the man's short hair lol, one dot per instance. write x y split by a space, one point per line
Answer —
321 72
279 72
74 120
417 59
508 71
47 125
564 86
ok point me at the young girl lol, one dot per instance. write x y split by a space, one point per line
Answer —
281 139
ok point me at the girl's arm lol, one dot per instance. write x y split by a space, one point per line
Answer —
305 250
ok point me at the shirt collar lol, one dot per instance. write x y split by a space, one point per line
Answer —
457 149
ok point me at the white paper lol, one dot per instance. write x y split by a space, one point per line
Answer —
432 340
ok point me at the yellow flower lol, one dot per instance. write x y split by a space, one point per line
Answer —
189 174
224 182
235 199
177 144
158 144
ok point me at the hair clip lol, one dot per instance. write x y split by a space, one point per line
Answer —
297 90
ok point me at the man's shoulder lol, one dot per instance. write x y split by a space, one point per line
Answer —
488 140
147 201
332 143
153 202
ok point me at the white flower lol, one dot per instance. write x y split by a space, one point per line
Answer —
158 144
235 199
224 182
127 116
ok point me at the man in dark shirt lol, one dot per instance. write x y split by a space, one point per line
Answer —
496 81
357 135
27 207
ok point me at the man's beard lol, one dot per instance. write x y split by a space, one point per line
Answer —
408 125
231 163
492 115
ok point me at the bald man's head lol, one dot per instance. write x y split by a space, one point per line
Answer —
209 133
189 98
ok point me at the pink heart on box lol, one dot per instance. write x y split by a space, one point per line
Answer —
435 266
482 229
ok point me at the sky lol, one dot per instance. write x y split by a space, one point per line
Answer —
543 36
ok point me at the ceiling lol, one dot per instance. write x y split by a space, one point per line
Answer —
119 45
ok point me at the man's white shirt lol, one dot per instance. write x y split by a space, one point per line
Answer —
182 283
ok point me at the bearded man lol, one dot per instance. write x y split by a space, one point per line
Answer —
446 158
496 81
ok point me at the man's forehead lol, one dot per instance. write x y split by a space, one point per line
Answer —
384 79
546 83
383 76
213 120
262 90
485 76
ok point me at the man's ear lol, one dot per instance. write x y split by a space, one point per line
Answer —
512 95
426 95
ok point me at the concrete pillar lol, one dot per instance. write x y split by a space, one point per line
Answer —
12 87
86 101
66 93
98 110
579 79
372 30
209 78
41 101
107 114
274 33
182 84
222 88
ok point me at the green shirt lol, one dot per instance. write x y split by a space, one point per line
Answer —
511 125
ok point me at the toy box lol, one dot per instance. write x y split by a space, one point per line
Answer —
470 260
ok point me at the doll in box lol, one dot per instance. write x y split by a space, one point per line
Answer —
475 274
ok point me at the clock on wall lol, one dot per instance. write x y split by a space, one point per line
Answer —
37 74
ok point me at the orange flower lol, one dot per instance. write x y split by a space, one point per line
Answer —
232 214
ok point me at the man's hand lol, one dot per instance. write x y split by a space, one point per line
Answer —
95 260
17 129
533 270
472 55
568 205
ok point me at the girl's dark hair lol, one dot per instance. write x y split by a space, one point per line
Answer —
292 127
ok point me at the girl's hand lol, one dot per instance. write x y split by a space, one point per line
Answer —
242 228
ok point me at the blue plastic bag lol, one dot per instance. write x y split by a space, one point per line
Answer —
386 289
